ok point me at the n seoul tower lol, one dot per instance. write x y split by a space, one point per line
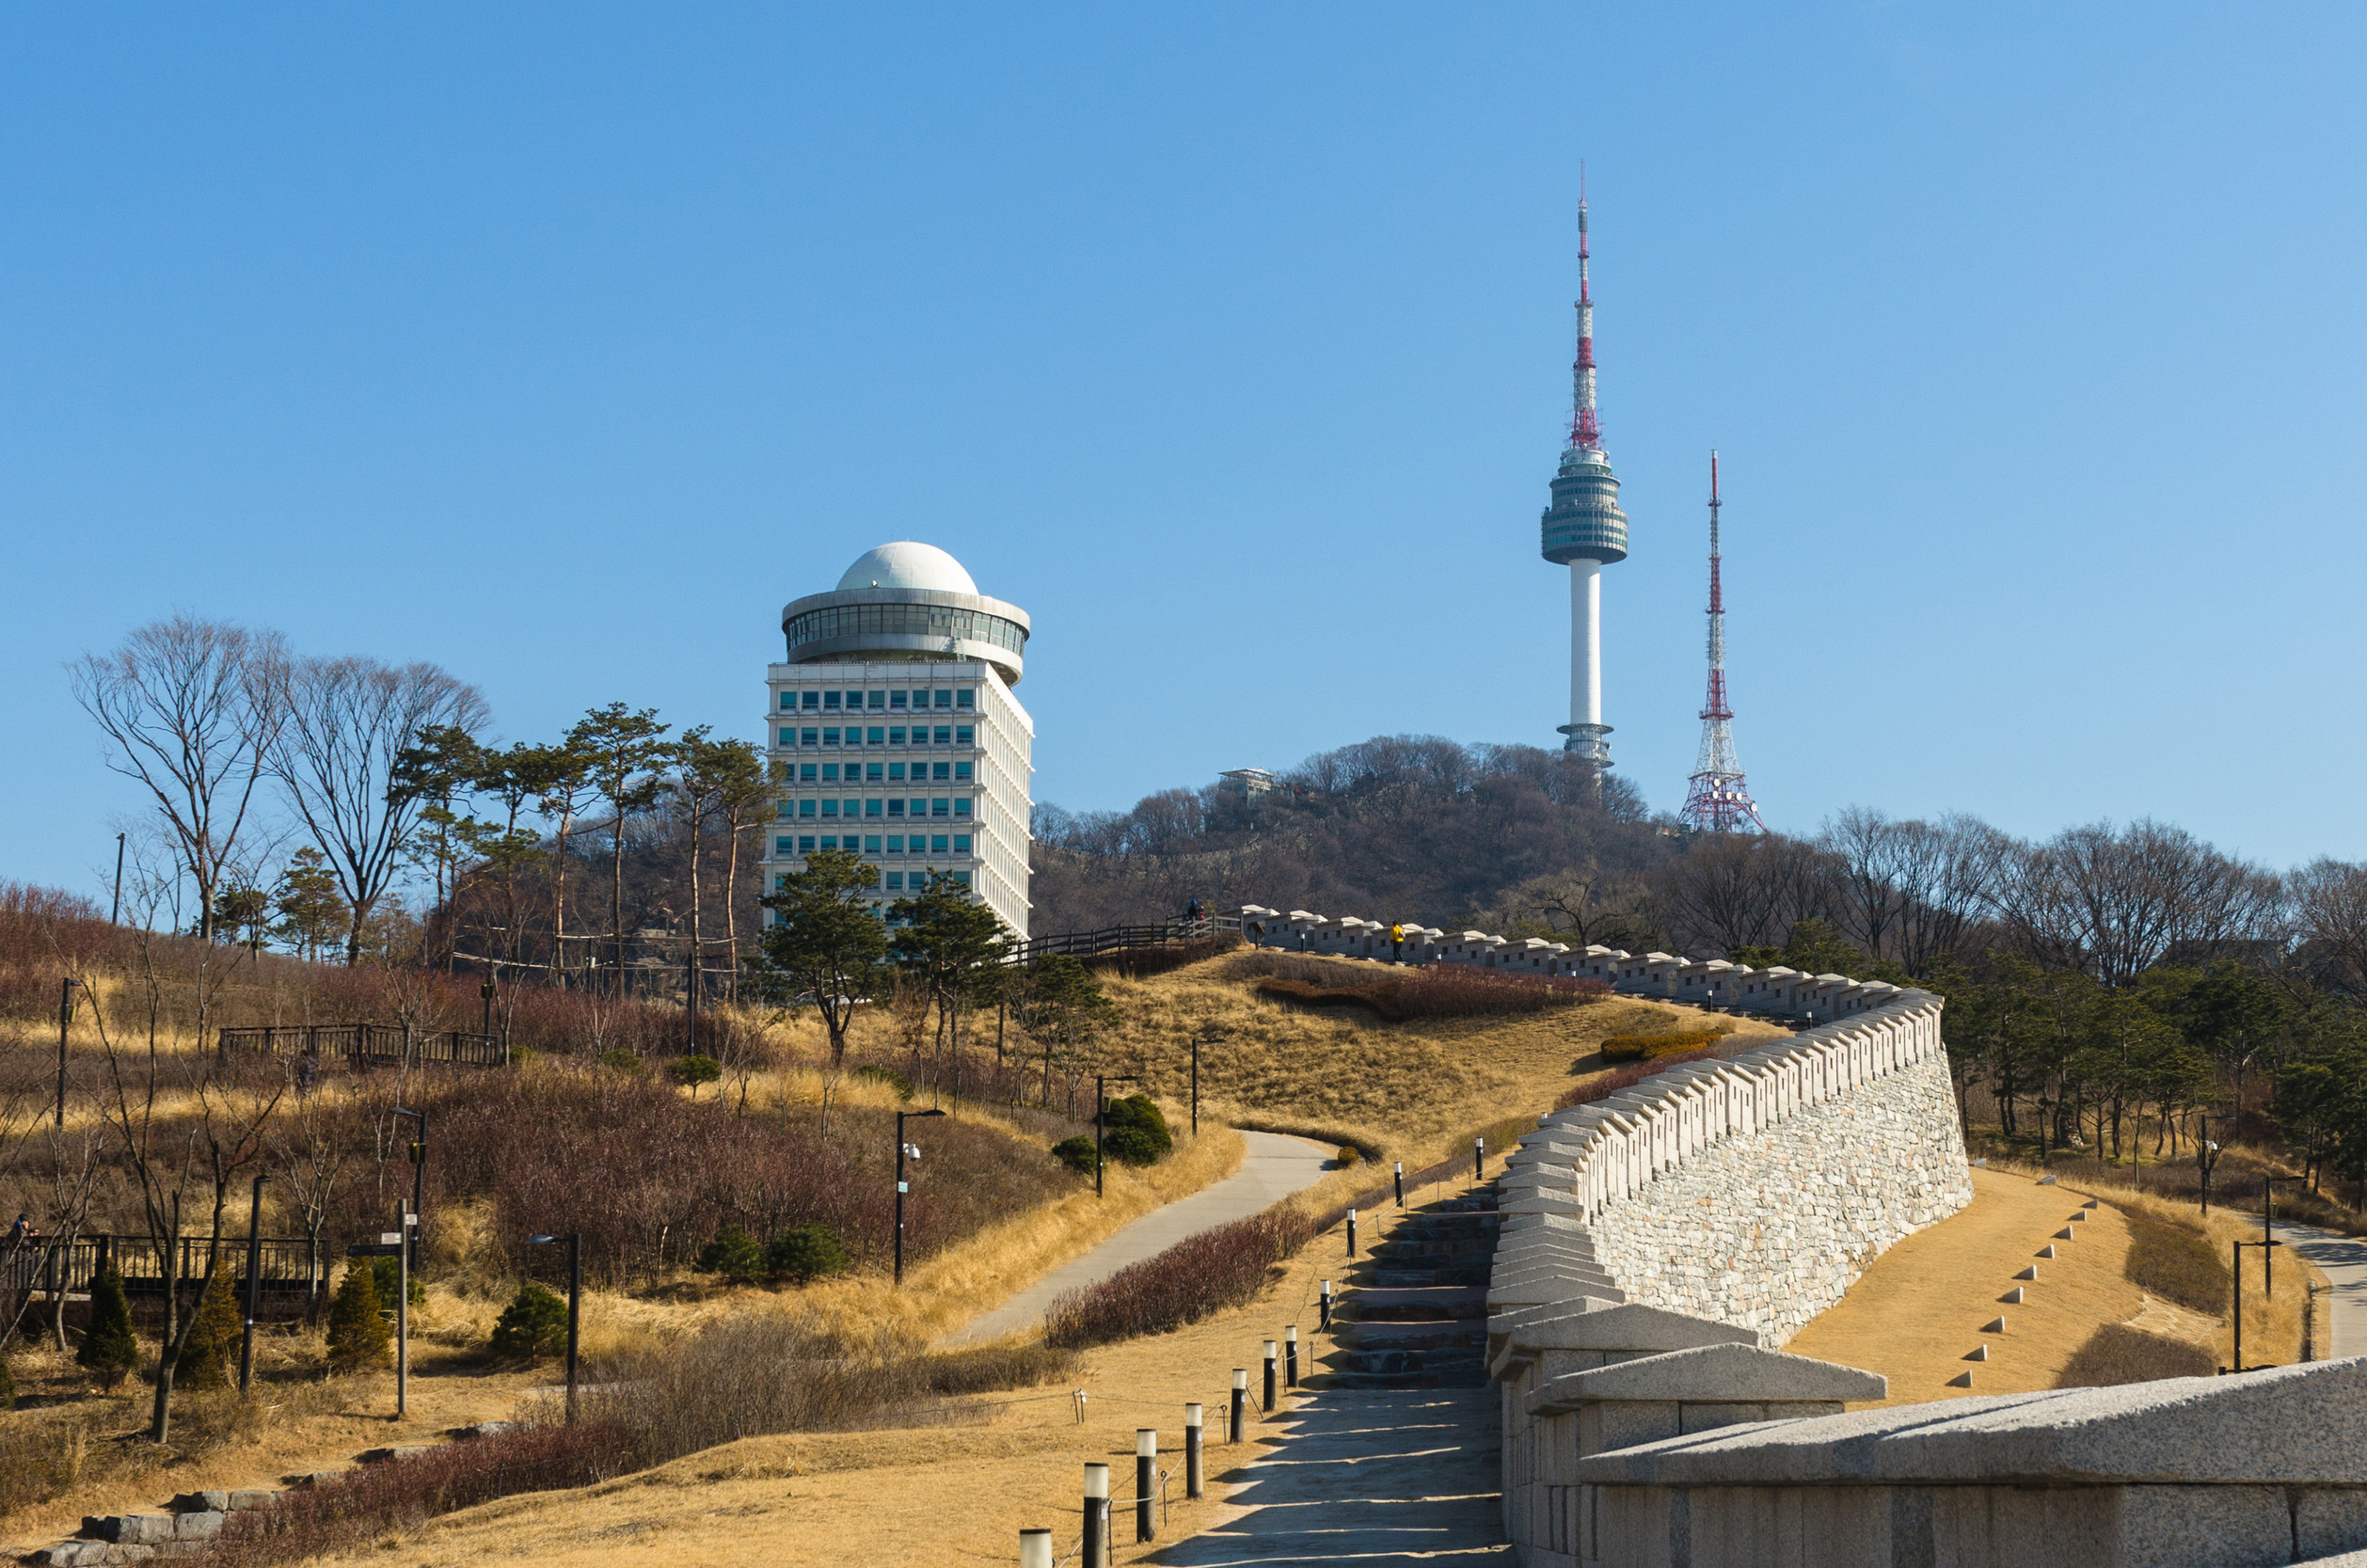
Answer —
1585 530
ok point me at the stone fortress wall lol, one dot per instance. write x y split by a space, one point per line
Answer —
1752 1191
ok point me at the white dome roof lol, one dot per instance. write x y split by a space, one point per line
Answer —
906 564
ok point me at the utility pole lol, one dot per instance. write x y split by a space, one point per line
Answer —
65 1016
254 1285
901 1185
116 911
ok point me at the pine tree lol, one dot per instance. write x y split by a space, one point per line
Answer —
209 1355
533 1323
357 1332
108 1348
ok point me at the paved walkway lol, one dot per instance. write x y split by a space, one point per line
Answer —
1368 1475
2345 1260
1275 1168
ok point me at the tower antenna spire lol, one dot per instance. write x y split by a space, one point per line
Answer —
1585 433
1583 527
1719 799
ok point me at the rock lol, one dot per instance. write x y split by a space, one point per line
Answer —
200 1502
485 1429
201 1525
256 1497
394 1451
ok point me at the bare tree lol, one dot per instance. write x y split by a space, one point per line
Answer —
348 723
2113 903
191 708
312 1147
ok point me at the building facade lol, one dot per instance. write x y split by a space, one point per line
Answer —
895 732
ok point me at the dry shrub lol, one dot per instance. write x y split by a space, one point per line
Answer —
1198 1275
1141 964
1647 1047
1446 990
989 1368
41 1459
362 1505
1606 1084
2118 1353
2178 1264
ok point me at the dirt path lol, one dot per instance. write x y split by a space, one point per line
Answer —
1923 1306
1273 1167
2343 1258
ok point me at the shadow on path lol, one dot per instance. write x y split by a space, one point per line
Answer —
1368 1475
2345 1260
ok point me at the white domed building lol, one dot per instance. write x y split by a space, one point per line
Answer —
896 734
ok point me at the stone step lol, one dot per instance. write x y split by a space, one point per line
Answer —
1409 1361
1454 1378
1465 1334
1417 1305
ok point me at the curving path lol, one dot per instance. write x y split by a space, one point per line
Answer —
1273 1167
2345 1260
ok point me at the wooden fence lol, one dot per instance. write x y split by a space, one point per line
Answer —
370 1044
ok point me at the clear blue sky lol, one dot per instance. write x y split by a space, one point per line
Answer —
561 345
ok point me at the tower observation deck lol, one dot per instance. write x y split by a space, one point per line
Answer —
1584 530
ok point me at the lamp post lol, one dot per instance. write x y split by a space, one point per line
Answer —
2207 1154
66 989
901 1146
1101 1115
418 1152
254 1285
574 1305
485 991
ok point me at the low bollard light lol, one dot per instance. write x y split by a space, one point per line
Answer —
1290 1356
1094 1552
1146 1461
1397 1174
1351 1233
1240 1403
1272 1354
1035 1548
1325 1326
1192 1474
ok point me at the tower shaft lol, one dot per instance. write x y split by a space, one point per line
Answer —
1583 528
1718 799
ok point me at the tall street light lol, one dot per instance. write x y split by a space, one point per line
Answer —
1101 1118
574 1303
254 1285
2207 1154
901 1150
419 1183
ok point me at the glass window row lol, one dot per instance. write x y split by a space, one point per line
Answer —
905 620
821 700
920 735
954 806
876 773
876 843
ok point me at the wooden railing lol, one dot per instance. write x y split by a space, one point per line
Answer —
370 1044
291 1268
1119 939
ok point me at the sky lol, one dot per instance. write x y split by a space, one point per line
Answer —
561 346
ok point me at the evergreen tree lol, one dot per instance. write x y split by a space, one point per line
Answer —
804 1253
108 1348
357 1332
733 1253
533 1323
210 1355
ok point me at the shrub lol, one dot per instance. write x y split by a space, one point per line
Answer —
992 1366
2178 1265
107 1346
1076 1153
391 1275
804 1253
1198 1275
211 1351
2116 1354
1442 991
1606 1084
533 1323
1137 1114
1650 1047
357 1333
874 1072
691 1072
362 1505
734 1254
1349 1154
7 1387
622 1059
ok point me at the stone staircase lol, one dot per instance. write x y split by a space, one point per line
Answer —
1415 1313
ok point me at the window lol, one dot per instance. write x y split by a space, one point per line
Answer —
896 844
961 733
872 808
962 877
805 808
872 772
941 807
943 771
784 846
830 699
855 735
811 700
962 843
829 737
896 699
936 844
810 737
830 772
920 808
780 808
788 737
945 698
829 843
870 844
805 845
895 735
896 808
961 771
962 806
965 698
829 808
920 699
896 881
879 735
778 884
945 734
805 771
789 699
896 769
877 699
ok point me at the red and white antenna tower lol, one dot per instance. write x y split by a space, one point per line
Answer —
1719 800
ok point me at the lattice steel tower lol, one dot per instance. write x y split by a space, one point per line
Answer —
1719 801
1585 530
